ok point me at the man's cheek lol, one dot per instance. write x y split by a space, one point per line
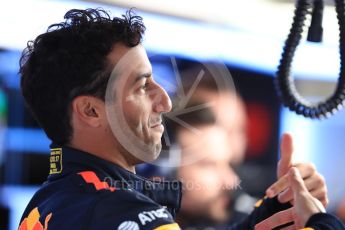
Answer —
135 108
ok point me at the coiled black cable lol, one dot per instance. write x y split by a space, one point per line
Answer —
284 82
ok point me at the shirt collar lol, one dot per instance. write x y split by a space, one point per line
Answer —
66 160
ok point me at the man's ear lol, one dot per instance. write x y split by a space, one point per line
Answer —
88 110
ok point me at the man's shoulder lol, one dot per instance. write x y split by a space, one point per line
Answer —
118 205
129 207
88 198
94 187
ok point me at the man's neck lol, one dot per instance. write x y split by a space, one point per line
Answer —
111 154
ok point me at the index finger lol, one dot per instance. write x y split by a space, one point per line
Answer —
306 171
278 186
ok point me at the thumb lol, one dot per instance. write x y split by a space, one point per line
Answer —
286 151
304 203
296 182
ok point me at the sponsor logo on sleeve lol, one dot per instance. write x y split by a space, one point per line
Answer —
149 216
128 225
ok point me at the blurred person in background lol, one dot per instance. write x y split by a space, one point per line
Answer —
219 145
209 180
230 113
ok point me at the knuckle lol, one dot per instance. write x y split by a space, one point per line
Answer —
311 167
321 179
324 192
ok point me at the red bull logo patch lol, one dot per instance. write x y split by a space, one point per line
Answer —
32 222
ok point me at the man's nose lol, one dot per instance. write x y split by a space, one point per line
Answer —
162 102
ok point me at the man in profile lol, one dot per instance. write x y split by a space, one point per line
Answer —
100 131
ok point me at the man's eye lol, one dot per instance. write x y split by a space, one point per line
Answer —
145 86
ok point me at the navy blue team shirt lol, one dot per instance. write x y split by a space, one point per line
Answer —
86 192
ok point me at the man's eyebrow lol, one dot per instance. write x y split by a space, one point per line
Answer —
141 76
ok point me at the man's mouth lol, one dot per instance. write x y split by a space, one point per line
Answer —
157 125
156 122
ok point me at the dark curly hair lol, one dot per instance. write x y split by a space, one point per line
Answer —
69 60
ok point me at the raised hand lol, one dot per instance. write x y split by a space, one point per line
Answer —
305 205
314 182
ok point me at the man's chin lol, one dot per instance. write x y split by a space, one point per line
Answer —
150 154
157 150
220 211
221 216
